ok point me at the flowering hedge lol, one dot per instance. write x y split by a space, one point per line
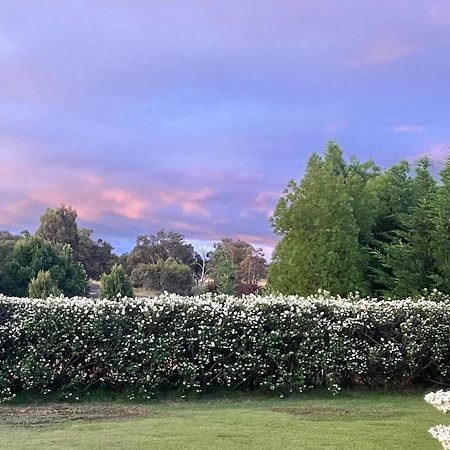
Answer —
171 342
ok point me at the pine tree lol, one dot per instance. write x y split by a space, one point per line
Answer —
407 257
320 235
440 236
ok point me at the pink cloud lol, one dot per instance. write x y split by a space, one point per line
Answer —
438 153
125 203
13 211
384 52
190 201
265 202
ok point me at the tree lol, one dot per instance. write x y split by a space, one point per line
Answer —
407 254
176 278
319 246
150 249
394 191
32 255
7 242
148 276
236 266
97 257
222 271
440 234
71 274
201 266
59 227
115 284
43 286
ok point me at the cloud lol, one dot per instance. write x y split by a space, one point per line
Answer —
190 201
438 153
194 114
409 128
384 52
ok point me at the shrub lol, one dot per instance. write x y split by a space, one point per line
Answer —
176 278
246 288
43 286
199 289
147 276
115 284
268 343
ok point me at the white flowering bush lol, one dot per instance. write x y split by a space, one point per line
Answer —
145 345
441 401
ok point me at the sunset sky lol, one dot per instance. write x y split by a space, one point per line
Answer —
192 115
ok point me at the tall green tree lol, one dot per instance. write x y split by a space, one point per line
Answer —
7 242
59 227
222 271
319 246
394 191
440 236
406 254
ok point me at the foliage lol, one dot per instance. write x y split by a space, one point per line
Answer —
274 343
7 242
59 227
222 271
148 276
97 256
320 245
150 249
350 226
43 286
440 232
235 264
31 255
169 276
406 255
115 284
176 278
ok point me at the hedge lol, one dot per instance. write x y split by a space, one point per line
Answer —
143 346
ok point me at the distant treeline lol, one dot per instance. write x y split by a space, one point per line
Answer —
60 258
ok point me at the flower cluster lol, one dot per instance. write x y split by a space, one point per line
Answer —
442 434
284 344
441 401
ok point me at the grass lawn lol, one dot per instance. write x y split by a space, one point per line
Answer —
350 421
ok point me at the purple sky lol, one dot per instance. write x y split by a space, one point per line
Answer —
192 115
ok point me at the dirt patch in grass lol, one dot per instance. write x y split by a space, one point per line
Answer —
322 411
55 413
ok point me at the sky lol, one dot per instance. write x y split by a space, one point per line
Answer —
192 115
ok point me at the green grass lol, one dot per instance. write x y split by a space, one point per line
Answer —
350 421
